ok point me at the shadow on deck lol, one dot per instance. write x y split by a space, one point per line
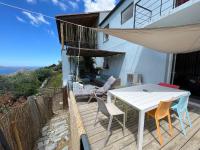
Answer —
97 134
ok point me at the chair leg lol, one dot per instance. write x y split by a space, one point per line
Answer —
96 117
124 121
170 124
108 130
109 124
91 97
158 132
126 113
181 122
188 117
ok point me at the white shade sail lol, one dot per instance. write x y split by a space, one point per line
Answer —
180 39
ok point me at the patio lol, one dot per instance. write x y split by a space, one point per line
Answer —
97 134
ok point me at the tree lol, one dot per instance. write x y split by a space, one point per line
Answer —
43 73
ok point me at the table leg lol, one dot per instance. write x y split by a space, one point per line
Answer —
109 98
126 112
140 130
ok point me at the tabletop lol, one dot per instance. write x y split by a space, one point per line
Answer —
147 96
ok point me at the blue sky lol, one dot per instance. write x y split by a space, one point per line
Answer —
28 39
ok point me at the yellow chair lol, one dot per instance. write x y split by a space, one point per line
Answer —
162 111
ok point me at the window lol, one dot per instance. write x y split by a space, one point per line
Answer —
106 36
127 13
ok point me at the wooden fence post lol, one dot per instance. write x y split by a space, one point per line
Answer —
65 97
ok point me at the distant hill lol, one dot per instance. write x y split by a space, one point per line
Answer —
4 70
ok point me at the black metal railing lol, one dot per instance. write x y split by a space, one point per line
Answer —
148 10
85 145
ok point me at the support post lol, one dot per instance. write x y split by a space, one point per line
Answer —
65 98
62 36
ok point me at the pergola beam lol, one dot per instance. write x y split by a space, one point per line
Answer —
74 51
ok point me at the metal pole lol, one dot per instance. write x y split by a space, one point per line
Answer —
160 7
174 66
134 16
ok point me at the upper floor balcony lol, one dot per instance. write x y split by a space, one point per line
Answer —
147 11
74 35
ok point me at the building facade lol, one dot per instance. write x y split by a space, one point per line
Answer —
154 66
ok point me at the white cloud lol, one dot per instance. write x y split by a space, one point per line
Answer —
74 4
36 19
51 33
20 19
60 4
98 5
31 1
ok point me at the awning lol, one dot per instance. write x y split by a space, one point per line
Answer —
180 39
74 51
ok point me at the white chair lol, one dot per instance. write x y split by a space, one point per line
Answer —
111 111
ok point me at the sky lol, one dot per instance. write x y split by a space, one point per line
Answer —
27 39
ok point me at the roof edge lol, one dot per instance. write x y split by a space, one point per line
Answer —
85 13
112 11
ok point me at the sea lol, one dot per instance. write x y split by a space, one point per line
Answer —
12 70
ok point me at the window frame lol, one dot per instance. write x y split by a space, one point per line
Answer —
125 10
104 34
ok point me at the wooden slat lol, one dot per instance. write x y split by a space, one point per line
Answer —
117 140
193 143
176 144
177 130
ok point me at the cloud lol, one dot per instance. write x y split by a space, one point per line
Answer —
36 19
31 1
74 4
60 4
51 33
20 19
98 5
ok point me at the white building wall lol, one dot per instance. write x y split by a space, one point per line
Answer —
154 66
149 63
102 15
65 67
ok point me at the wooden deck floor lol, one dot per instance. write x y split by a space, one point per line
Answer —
97 133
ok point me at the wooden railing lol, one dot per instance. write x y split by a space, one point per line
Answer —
77 129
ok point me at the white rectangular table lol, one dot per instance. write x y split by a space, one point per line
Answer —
144 98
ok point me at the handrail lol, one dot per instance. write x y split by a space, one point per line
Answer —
135 14
147 10
79 140
85 142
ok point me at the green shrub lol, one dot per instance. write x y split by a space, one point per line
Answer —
28 83
5 85
24 84
43 73
55 81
